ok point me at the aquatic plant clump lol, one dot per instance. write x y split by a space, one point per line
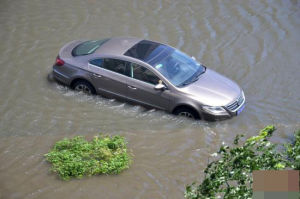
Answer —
77 157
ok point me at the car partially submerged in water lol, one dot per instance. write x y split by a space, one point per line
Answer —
148 73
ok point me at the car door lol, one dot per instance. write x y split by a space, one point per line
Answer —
109 76
141 88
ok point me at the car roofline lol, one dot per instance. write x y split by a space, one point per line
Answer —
117 45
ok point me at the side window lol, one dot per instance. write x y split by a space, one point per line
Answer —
143 74
97 62
114 65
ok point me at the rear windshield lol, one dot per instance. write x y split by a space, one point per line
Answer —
87 47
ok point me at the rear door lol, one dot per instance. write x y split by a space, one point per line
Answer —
141 88
109 76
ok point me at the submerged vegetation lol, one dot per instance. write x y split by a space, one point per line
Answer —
78 157
230 174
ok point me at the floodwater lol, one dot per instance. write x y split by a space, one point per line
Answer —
255 43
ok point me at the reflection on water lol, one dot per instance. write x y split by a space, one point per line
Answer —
255 43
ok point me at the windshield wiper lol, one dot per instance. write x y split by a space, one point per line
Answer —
194 79
202 71
189 82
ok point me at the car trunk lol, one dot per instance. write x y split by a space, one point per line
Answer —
66 51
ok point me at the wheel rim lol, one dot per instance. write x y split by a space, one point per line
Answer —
186 114
83 88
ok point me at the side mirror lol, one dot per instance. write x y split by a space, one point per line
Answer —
161 87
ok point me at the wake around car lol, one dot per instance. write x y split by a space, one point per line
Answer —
148 73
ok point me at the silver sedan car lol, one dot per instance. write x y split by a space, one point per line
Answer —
148 73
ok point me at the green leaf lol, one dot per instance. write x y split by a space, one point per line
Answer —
280 165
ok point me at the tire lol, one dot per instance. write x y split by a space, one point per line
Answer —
84 86
187 112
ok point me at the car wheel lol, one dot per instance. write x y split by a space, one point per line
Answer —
187 112
84 86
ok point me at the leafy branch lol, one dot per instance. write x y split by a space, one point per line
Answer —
230 176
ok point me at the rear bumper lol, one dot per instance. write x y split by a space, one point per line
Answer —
61 77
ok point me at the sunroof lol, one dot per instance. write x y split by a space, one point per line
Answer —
145 50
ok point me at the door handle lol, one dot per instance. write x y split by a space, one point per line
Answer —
131 87
96 75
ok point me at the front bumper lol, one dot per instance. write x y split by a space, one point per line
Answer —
211 117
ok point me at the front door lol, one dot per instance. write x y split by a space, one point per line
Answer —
141 88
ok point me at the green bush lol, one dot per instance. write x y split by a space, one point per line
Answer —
77 157
293 151
230 175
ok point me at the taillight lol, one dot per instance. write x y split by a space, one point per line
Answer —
59 61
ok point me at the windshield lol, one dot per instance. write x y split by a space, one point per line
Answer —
179 68
87 47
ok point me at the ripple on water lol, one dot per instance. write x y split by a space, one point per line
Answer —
254 43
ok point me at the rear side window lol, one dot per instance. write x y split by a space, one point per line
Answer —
87 47
143 74
115 65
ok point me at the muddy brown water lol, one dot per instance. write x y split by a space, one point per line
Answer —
255 43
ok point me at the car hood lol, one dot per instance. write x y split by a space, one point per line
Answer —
213 89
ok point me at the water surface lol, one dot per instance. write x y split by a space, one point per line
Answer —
255 43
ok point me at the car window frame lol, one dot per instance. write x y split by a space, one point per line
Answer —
128 63
130 73
102 58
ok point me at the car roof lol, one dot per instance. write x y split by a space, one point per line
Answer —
117 46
